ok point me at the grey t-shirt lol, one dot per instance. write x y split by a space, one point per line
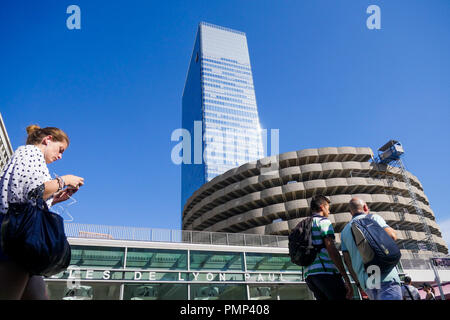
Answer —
413 290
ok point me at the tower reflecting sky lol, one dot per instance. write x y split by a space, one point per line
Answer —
219 107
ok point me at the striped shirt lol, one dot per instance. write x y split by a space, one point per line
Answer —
321 228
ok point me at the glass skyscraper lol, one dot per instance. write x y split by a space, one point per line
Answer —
219 108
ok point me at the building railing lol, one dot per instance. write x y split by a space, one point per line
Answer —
76 230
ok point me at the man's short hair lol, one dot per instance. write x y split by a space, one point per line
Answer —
407 279
317 201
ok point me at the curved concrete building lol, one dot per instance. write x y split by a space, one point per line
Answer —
271 195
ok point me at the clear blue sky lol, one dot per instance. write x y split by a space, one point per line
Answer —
321 77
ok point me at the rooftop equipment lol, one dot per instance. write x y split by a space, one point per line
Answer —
390 154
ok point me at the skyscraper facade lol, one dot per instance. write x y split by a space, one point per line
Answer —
218 108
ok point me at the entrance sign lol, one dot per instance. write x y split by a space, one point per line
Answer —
158 276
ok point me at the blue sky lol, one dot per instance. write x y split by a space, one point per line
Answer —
321 77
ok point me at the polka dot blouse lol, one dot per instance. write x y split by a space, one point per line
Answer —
22 179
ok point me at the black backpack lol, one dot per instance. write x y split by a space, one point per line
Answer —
301 249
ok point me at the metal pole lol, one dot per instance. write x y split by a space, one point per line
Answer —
121 291
245 271
189 292
125 258
189 269
438 280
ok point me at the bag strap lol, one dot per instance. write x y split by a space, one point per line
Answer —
409 292
351 225
37 195
40 202
319 248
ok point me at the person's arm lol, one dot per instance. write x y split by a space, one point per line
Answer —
63 195
53 185
336 258
50 188
391 232
348 263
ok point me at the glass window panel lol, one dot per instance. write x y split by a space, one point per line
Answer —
156 258
280 292
155 291
91 256
270 262
207 260
294 292
263 292
400 267
218 292
84 291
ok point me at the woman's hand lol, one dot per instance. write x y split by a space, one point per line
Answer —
63 195
52 186
73 181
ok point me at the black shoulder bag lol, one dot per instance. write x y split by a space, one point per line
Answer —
34 237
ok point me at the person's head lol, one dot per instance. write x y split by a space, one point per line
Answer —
407 280
320 204
428 288
52 141
358 205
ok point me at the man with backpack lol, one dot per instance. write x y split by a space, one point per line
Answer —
409 291
368 246
324 275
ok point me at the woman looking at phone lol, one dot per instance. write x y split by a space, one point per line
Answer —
24 179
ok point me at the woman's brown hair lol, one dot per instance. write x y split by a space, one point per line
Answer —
36 134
